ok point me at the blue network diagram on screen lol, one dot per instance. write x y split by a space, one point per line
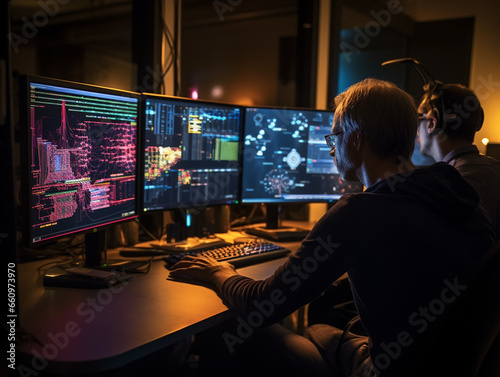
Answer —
286 159
191 153
81 156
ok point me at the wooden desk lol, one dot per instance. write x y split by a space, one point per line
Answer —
87 330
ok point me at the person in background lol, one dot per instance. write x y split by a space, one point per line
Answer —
410 236
449 121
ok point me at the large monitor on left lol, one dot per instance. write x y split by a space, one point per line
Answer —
79 172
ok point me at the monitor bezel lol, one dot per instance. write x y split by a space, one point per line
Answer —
193 206
313 198
26 147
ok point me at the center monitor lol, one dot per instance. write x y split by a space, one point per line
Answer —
286 159
190 152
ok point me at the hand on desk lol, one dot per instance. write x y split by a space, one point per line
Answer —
202 270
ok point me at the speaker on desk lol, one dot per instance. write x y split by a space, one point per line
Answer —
126 234
217 219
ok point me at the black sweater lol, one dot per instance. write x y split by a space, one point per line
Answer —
408 243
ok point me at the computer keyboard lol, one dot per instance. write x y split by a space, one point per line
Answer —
239 255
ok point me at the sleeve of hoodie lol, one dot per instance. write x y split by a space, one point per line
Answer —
321 259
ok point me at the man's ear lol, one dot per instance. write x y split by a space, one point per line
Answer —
432 128
358 140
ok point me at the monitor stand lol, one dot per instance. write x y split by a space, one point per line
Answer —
274 231
95 246
187 222
192 227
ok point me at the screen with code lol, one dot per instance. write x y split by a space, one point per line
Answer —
190 153
82 156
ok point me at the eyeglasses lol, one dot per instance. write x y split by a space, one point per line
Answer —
331 139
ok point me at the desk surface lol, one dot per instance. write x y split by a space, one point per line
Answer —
90 330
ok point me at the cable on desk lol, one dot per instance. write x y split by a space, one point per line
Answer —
146 230
41 270
63 247
130 267
250 219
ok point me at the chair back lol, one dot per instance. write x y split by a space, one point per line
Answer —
465 340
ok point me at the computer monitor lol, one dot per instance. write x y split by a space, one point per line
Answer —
79 169
286 159
190 155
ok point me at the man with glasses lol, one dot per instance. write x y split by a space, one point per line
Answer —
402 241
449 137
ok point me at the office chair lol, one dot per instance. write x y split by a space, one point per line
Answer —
465 340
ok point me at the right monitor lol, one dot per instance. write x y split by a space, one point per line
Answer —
286 158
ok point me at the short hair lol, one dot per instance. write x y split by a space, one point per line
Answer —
462 110
382 113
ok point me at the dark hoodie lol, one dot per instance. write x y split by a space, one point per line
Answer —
408 243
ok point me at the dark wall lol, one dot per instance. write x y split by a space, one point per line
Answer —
445 50
238 56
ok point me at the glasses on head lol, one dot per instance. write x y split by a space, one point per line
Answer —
331 139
